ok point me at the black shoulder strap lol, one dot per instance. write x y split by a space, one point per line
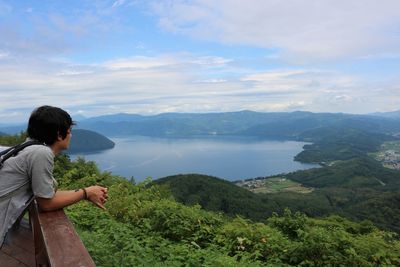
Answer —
5 151
12 151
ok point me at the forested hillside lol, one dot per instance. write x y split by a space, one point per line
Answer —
342 143
216 194
358 189
145 226
86 141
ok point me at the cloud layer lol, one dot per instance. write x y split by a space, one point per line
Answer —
177 83
300 30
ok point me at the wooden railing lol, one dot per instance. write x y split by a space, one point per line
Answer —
56 242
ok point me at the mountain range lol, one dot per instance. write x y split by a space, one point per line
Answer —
282 125
393 114
292 125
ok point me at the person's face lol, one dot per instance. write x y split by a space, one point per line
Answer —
64 143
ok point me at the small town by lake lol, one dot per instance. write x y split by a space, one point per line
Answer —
230 158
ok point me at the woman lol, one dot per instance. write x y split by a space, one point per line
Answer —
33 166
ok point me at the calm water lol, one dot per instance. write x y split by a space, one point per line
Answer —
228 158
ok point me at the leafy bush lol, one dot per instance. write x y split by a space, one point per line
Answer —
145 226
292 225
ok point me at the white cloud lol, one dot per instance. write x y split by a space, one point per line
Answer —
213 81
299 81
342 98
301 30
3 54
183 83
118 3
212 61
140 62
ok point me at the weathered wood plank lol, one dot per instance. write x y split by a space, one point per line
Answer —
18 250
54 241
22 238
9 261
61 243
19 254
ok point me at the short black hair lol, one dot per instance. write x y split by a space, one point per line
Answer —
46 123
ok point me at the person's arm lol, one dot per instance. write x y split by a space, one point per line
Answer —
96 194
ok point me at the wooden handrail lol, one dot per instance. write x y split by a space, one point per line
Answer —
56 242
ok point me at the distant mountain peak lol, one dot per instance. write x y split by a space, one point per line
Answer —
391 114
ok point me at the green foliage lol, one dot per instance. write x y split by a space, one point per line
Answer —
358 172
12 140
332 241
151 209
145 226
255 241
343 143
192 189
351 188
292 225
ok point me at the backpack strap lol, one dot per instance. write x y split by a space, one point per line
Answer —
5 151
12 151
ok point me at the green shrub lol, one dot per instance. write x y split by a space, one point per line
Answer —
145 226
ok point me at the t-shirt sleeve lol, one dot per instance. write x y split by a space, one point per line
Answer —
42 173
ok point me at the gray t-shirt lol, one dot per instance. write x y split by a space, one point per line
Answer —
33 165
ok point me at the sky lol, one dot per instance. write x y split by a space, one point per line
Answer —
148 57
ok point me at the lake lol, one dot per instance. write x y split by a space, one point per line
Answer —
230 158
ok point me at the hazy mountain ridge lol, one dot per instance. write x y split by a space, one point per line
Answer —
274 124
392 114
12 129
283 125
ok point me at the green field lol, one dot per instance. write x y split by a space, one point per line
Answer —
281 184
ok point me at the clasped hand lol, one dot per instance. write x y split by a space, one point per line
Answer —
98 195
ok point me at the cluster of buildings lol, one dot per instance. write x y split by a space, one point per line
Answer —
252 184
391 159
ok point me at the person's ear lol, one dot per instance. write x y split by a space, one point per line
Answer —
59 137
